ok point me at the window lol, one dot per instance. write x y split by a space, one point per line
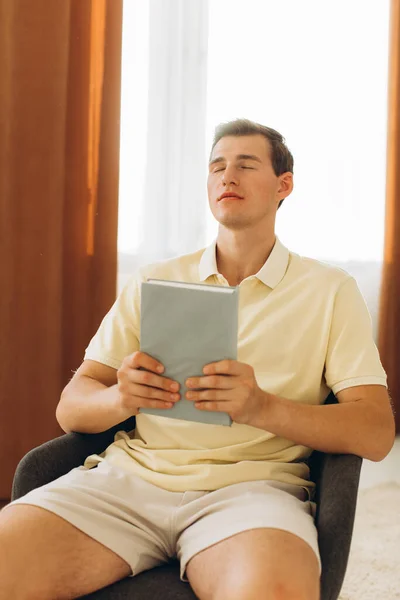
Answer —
133 146
315 71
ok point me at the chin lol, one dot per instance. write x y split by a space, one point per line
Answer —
236 223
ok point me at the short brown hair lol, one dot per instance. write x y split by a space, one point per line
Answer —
281 157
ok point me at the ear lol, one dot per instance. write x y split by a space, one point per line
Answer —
286 183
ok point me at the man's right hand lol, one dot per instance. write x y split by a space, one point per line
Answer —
140 388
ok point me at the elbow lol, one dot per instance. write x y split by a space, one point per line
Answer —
61 417
61 422
387 440
64 427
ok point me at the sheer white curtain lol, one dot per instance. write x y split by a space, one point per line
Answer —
162 188
315 71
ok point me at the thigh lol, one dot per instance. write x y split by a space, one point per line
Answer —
83 531
257 564
44 556
255 531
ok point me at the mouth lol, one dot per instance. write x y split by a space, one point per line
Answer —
228 196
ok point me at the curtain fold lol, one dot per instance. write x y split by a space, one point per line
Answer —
389 314
60 70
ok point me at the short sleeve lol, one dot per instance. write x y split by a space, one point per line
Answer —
118 333
352 357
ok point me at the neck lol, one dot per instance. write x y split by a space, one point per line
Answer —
239 255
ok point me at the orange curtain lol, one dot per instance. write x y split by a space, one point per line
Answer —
60 70
389 324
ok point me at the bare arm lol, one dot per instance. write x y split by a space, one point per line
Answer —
99 397
362 423
89 403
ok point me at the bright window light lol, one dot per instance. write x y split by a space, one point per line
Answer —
133 145
317 72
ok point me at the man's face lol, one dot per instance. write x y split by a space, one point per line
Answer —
242 166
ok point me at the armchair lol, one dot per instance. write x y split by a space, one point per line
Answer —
336 477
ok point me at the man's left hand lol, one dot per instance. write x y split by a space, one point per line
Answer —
228 386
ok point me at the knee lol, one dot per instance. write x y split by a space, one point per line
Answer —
290 591
272 591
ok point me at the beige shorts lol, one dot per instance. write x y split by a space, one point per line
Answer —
147 525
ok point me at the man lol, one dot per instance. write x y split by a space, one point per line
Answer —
233 503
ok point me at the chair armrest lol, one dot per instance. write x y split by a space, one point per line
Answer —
337 478
57 457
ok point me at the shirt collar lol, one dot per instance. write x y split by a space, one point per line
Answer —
271 273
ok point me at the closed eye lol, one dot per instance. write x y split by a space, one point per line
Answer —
241 167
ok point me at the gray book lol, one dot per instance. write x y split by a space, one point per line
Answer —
186 326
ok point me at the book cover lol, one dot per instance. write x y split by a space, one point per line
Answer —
186 326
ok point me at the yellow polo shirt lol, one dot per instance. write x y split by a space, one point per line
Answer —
305 329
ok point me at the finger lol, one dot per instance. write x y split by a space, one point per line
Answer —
153 393
215 406
214 395
226 367
211 382
146 403
142 360
155 381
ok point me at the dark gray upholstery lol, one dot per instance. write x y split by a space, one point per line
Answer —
336 477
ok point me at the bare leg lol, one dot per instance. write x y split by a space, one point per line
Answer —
257 564
44 557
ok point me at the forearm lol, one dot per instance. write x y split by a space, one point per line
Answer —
347 428
88 406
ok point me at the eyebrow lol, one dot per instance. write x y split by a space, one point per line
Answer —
238 157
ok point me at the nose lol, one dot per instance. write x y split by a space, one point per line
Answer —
229 176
